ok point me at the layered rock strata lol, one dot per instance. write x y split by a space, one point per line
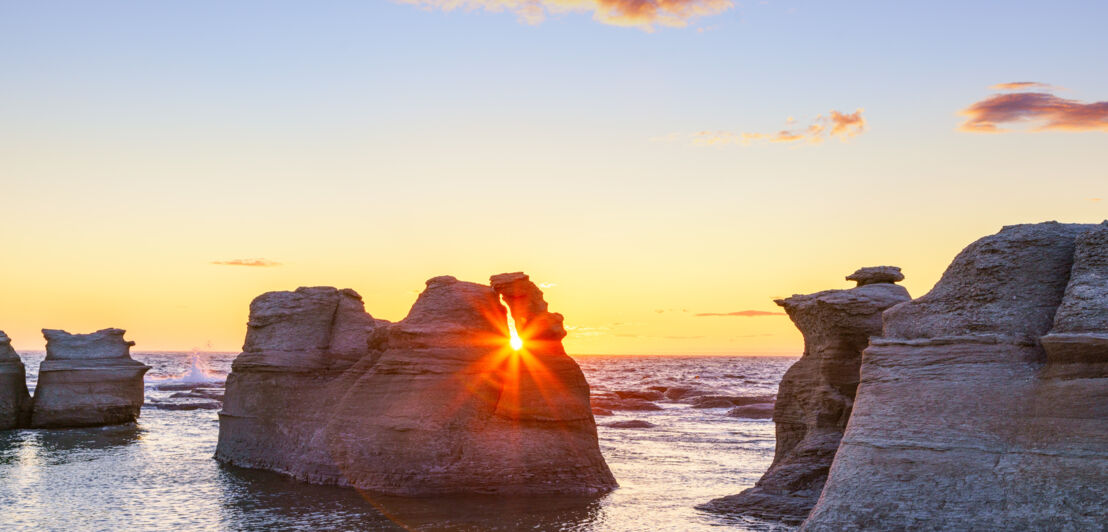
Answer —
436 403
15 402
87 380
816 394
984 406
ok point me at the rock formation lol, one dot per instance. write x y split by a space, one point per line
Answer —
15 402
816 394
436 403
984 406
87 380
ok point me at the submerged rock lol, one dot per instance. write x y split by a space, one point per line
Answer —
816 395
631 424
436 403
728 401
15 402
208 405
87 380
984 405
615 402
754 411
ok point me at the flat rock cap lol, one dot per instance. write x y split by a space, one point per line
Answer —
876 274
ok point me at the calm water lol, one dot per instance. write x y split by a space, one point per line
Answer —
159 474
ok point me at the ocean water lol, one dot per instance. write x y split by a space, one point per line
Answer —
159 474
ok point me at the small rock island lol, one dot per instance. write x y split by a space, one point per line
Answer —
437 403
87 380
15 402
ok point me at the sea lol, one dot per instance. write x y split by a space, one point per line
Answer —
160 474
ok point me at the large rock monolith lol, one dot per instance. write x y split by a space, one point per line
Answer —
15 402
87 380
816 394
436 403
984 405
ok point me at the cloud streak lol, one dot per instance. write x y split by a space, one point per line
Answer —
836 124
1022 85
640 13
740 314
1041 110
256 263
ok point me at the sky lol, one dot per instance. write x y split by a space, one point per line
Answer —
664 169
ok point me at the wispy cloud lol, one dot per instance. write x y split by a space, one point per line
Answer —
1023 86
579 331
641 13
1042 110
835 124
257 263
675 337
740 314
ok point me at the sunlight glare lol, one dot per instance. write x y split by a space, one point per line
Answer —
513 336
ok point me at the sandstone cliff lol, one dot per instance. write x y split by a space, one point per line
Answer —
436 403
15 402
963 421
87 380
816 394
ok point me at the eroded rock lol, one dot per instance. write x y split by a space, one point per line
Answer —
816 395
87 380
436 403
963 421
15 402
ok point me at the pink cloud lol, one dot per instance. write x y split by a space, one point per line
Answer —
1042 110
641 13
836 125
257 263
740 313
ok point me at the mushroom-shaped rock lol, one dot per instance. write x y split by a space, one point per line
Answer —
439 403
876 274
87 380
15 402
962 420
816 394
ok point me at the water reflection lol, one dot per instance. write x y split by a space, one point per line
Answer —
255 498
61 446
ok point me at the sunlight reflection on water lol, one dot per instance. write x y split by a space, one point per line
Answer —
160 474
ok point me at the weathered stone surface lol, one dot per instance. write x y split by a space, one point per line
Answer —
876 274
437 404
87 380
15 402
962 420
816 395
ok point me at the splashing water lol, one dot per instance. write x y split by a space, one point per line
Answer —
198 373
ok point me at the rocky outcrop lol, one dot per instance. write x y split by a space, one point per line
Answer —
15 402
87 380
436 403
816 394
984 405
